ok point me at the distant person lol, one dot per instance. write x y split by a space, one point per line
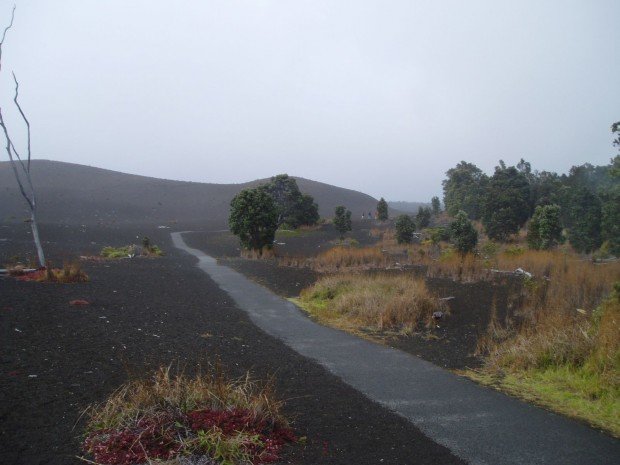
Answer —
370 215
362 216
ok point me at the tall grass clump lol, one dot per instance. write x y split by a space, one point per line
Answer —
564 346
346 257
173 416
342 258
379 302
68 274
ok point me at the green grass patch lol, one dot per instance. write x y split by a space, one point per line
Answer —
130 251
118 252
579 393
282 233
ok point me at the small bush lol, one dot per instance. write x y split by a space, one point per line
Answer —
514 251
405 227
68 274
378 301
131 251
169 417
344 258
127 251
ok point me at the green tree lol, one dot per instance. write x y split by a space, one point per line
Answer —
545 187
463 234
293 207
615 129
506 203
306 211
584 233
342 220
436 205
464 189
254 218
545 228
438 234
382 210
610 197
405 227
423 218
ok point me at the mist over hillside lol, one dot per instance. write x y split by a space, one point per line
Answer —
77 194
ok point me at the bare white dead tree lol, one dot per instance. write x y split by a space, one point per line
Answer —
21 169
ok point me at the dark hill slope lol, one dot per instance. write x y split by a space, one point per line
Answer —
77 194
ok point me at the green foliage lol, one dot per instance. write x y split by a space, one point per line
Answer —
382 210
436 205
610 221
226 449
423 218
464 190
118 252
463 234
545 229
293 207
490 249
514 251
584 234
306 211
405 227
254 218
615 129
353 243
506 203
342 220
438 234
150 249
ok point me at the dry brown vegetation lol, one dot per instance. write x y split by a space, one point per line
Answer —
382 302
182 393
69 273
341 258
559 344
263 254
560 321
208 418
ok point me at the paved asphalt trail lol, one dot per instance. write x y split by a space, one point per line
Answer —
477 424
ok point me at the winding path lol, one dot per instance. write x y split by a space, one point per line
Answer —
477 424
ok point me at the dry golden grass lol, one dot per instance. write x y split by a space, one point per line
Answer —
341 258
69 273
263 254
380 302
169 393
559 320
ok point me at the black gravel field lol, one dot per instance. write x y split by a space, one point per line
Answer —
57 359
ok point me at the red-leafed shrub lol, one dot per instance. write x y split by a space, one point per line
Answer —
151 438
227 421
69 273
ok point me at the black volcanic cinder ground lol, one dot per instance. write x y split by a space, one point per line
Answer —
77 194
56 359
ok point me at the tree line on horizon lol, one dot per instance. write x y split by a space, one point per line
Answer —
584 203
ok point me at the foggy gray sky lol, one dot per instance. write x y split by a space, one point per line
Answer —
377 96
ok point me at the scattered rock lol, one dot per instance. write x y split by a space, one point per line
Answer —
522 272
